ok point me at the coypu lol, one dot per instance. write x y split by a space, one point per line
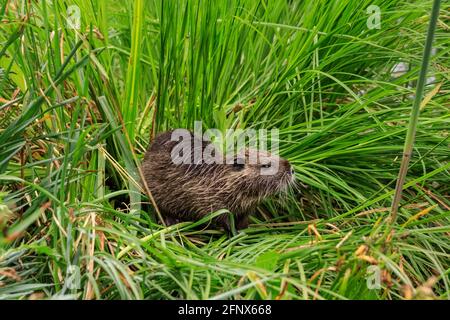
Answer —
186 192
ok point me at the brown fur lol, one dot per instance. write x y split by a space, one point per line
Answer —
189 192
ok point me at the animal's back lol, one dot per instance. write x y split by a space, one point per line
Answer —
178 191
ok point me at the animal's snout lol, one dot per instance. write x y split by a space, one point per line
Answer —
291 170
287 167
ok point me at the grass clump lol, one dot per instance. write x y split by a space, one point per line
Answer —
79 106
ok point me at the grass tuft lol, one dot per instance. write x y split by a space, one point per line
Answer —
78 107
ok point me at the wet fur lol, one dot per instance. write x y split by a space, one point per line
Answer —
189 192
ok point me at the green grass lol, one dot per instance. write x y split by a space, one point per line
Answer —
79 107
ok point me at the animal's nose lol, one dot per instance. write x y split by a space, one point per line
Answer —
287 167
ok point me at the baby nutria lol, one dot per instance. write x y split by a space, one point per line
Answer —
188 191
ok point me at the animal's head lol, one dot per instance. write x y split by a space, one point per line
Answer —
259 173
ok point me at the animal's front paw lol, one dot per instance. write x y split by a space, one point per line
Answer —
242 223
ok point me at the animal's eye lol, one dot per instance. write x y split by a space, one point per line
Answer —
266 165
238 164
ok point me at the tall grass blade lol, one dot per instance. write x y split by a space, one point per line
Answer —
414 118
